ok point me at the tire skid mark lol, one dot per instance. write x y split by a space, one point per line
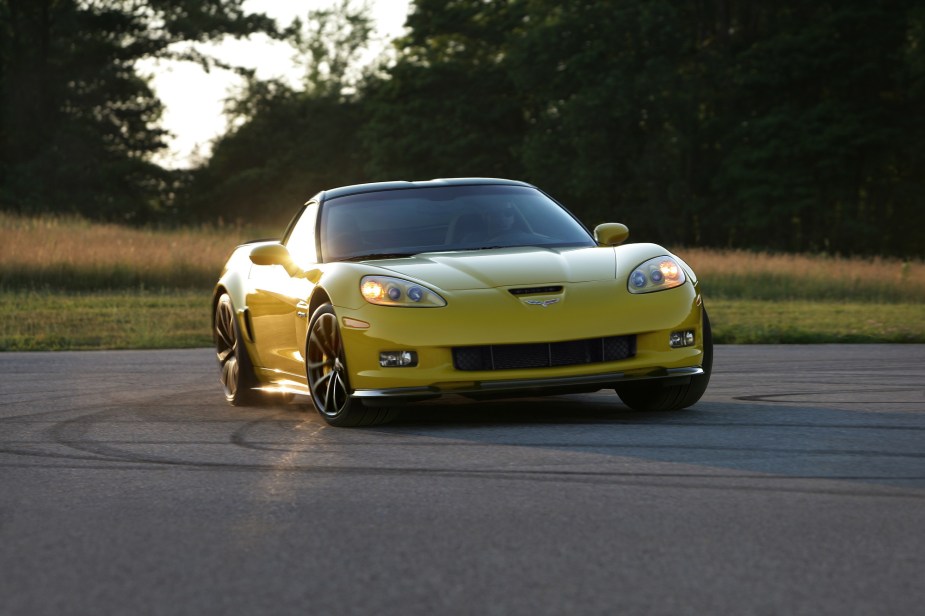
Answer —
107 450
391 429
238 438
332 447
72 439
117 459
774 398
60 434
617 446
644 480
148 392
101 452
45 396
264 445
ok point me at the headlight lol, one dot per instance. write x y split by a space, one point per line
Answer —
387 291
656 274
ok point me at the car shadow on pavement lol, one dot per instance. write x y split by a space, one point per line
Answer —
768 437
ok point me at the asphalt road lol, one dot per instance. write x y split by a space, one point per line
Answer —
797 486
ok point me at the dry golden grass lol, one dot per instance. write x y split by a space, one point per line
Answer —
67 284
735 274
70 254
73 254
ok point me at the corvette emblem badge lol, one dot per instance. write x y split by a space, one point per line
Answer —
542 302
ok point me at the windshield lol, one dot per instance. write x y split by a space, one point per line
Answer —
406 222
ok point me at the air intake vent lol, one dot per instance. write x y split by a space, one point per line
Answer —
544 354
536 290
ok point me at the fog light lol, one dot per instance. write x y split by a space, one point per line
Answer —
677 340
398 359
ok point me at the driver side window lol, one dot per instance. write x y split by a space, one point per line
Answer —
301 242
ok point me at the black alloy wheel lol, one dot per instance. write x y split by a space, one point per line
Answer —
235 369
328 380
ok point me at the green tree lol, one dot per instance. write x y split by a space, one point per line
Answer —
447 107
783 126
292 146
78 125
608 106
820 129
287 144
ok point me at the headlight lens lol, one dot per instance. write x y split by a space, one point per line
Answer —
656 274
388 291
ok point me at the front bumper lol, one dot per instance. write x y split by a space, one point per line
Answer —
494 317
511 387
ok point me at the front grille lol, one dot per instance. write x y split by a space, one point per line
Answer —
543 354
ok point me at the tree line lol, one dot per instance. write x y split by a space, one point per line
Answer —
789 126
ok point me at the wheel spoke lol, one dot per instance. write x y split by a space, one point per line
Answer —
327 361
230 376
330 405
330 327
326 340
339 388
320 385
224 356
225 333
223 337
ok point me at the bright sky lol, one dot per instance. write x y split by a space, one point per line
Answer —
194 99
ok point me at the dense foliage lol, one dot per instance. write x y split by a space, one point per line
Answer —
78 125
786 125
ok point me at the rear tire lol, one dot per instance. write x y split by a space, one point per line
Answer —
328 379
235 368
653 396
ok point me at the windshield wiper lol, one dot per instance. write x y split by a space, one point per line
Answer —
373 256
480 248
474 248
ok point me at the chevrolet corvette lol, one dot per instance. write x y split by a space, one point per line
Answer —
382 294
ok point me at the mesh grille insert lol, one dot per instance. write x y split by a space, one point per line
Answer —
543 354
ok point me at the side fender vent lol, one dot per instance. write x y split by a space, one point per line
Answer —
248 325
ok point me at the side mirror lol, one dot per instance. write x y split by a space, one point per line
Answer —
611 234
271 254
277 254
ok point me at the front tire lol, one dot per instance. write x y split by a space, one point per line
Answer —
235 367
652 396
328 380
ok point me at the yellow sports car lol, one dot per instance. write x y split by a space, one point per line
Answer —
381 294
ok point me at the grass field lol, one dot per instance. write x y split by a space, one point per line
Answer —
69 284
59 321
69 254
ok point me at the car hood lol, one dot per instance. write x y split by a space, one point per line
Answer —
506 267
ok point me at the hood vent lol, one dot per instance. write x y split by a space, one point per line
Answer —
536 290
